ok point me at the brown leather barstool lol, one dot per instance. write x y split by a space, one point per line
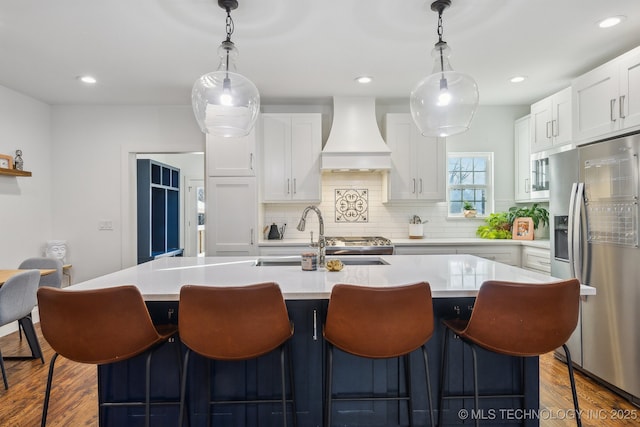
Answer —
516 319
99 327
234 324
379 323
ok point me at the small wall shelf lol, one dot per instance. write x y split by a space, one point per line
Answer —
14 172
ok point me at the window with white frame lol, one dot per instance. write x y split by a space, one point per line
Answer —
470 179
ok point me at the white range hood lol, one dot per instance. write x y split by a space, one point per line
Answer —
355 142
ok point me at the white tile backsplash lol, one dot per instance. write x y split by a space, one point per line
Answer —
387 220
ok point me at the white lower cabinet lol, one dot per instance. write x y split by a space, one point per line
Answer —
536 259
425 250
507 254
232 215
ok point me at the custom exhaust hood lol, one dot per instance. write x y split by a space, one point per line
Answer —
355 142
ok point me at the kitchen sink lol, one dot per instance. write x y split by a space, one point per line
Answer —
289 261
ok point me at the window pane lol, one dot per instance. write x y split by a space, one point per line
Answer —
466 163
479 178
454 178
480 164
455 195
466 178
455 207
469 195
454 164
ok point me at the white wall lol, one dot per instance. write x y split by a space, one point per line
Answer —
95 148
25 203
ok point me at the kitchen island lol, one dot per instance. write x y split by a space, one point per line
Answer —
454 280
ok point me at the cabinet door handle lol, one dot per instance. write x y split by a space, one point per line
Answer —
526 185
288 186
251 161
612 104
554 127
315 324
622 116
414 186
251 236
294 186
420 185
548 132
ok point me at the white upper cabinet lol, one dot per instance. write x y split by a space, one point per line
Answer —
418 163
522 184
231 156
551 121
291 145
607 99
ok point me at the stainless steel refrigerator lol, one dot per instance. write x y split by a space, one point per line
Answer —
593 204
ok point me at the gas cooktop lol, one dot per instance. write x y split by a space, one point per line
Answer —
357 241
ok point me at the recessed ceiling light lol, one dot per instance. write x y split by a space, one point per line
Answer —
611 21
364 79
518 79
87 79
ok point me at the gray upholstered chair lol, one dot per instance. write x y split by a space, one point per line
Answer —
42 263
17 300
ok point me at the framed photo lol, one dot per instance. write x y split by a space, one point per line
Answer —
522 229
6 162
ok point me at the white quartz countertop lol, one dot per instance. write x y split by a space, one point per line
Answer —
448 275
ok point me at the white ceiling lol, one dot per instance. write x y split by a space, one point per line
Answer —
151 51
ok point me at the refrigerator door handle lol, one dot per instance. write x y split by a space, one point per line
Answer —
570 228
576 231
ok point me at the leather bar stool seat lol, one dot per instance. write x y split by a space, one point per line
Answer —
379 323
99 327
516 319
236 323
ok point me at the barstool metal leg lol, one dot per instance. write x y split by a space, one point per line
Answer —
183 387
476 399
426 369
147 390
283 383
47 393
328 397
294 409
573 384
407 375
443 375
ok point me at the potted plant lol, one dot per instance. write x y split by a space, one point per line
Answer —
468 210
497 226
538 214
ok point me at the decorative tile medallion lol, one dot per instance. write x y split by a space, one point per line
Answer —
352 205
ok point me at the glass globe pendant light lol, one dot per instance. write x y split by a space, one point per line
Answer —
443 103
226 103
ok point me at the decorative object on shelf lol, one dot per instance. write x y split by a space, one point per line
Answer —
500 225
56 249
538 214
275 232
226 103
416 230
443 103
18 163
522 229
352 205
469 210
6 162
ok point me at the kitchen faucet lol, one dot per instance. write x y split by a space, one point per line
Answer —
321 241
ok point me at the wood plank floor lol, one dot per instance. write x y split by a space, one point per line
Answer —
74 397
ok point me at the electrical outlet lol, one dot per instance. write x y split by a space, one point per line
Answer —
105 225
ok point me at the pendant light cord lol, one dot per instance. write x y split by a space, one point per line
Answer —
229 27
440 31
